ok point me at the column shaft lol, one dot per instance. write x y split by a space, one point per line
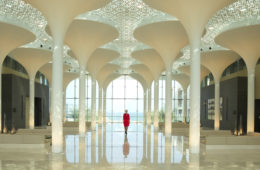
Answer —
64 106
31 112
0 97
217 105
251 101
100 114
56 97
104 104
168 103
156 103
145 106
194 133
185 105
82 102
149 107
93 104
50 109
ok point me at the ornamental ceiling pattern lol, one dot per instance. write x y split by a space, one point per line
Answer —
126 15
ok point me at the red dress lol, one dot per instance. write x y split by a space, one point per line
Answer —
126 119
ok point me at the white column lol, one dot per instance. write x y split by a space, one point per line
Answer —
251 100
93 104
56 101
64 105
145 106
82 103
194 133
185 105
149 106
156 103
168 103
100 114
217 105
50 109
104 104
31 112
0 97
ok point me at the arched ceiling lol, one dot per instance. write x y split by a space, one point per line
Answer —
126 16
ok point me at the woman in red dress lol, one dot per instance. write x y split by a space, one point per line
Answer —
126 120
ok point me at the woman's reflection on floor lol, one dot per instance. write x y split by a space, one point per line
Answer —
126 147
112 147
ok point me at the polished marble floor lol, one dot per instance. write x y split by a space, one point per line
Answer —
143 148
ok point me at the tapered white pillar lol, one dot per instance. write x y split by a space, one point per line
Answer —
156 103
93 104
50 109
57 97
31 112
251 100
245 41
194 132
149 106
100 113
145 106
185 105
82 108
168 103
64 106
0 97
104 104
59 15
217 104
217 62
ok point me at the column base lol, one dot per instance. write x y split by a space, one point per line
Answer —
57 149
194 150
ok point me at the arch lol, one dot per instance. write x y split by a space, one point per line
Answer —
123 93
72 99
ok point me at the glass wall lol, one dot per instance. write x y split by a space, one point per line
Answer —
124 93
72 100
177 100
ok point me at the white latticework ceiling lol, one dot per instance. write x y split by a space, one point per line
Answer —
126 15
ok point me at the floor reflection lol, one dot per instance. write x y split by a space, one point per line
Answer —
109 144
143 148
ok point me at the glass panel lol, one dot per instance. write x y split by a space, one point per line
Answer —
118 89
77 88
131 88
70 109
70 92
